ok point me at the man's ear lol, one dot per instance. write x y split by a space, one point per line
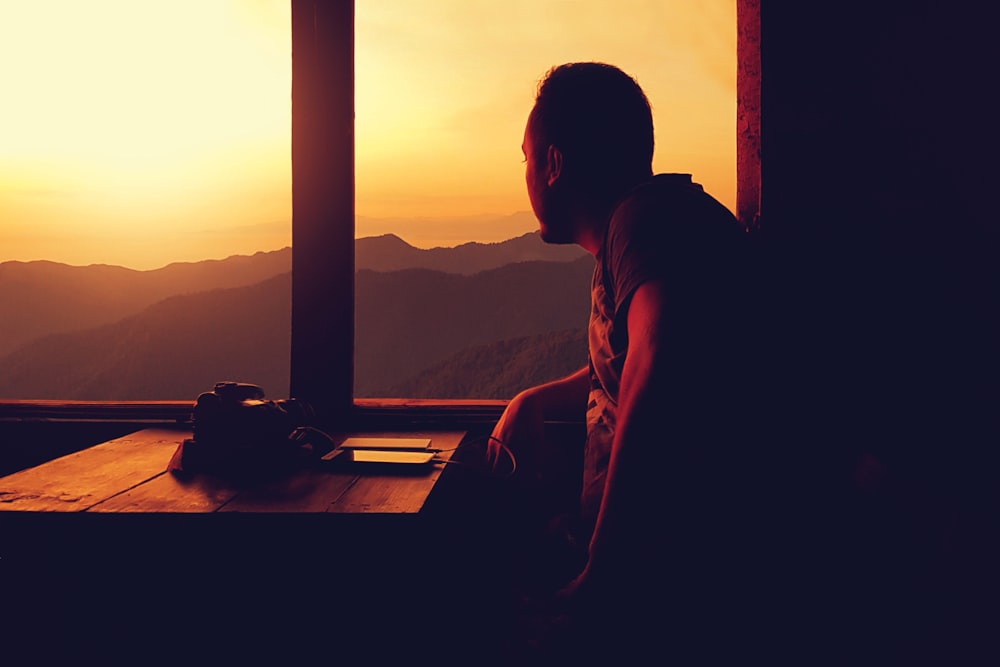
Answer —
553 164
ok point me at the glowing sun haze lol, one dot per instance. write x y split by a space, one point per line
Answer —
141 133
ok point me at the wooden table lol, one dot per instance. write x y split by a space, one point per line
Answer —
129 474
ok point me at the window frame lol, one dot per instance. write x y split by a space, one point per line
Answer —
323 228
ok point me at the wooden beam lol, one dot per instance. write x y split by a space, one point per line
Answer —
322 354
748 175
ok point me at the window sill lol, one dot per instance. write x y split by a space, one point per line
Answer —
130 411
367 413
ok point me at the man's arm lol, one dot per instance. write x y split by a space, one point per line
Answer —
521 427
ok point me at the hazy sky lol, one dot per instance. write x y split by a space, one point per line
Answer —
140 133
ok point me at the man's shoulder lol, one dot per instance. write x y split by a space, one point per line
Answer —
673 189
673 181
668 204
670 227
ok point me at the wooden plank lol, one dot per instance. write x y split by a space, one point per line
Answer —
170 493
388 494
397 493
78 481
307 490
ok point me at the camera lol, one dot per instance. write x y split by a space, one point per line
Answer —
237 430
236 415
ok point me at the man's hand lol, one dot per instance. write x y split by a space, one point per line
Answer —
521 428
584 596
517 435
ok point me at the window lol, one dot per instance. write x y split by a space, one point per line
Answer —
140 145
322 366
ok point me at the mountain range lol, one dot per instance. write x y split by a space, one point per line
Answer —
111 333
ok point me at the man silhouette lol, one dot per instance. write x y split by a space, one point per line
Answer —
660 394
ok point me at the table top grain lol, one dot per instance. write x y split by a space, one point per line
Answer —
129 474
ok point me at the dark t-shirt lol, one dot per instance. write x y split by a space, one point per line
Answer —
666 229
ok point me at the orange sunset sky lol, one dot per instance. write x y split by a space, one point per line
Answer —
142 133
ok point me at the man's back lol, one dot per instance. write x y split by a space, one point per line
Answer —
670 230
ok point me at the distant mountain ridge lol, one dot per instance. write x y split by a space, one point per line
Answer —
407 322
182 345
168 350
41 297
391 253
449 231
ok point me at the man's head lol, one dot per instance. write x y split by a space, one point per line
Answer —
588 138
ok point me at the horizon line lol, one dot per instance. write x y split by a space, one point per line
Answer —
257 252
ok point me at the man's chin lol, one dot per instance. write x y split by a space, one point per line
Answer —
552 236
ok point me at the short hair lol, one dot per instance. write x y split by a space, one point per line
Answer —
600 119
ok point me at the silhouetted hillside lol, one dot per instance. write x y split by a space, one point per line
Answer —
42 298
173 350
499 370
407 321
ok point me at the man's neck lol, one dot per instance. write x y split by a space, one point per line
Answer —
593 220
592 229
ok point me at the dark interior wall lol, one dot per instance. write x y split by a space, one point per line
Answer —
879 145
873 101
879 159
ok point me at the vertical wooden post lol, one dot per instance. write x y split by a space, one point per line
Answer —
748 173
322 354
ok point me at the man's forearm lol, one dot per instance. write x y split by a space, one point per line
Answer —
521 427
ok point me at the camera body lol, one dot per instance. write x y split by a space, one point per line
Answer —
236 415
239 431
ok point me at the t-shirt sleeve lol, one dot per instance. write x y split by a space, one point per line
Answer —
680 236
636 252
